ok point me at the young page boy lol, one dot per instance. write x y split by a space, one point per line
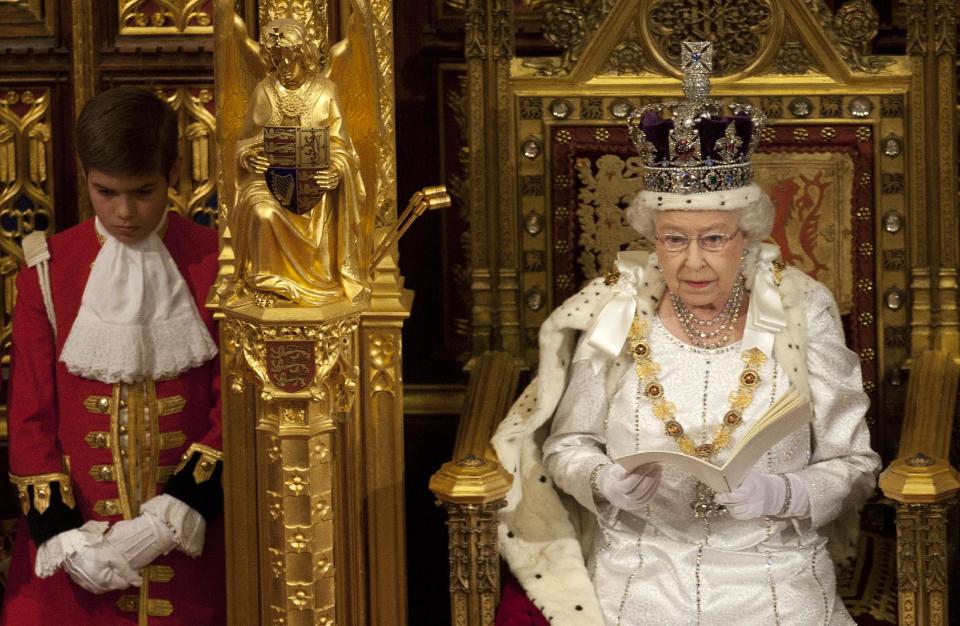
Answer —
114 403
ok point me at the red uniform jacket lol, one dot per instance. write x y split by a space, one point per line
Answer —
62 424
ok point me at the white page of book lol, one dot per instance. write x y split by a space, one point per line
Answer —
790 413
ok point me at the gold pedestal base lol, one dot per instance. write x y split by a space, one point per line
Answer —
292 375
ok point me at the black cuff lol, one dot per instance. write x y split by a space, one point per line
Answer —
56 519
206 497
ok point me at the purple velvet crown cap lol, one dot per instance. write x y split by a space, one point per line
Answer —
657 132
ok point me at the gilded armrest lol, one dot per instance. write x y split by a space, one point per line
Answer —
924 486
472 489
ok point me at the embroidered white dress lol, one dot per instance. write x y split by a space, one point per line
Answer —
661 565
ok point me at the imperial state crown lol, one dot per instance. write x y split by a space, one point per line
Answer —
696 145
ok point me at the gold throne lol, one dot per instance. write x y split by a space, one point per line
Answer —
860 160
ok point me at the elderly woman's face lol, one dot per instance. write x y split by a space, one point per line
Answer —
702 278
288 62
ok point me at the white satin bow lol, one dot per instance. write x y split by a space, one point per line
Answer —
766 316
605 338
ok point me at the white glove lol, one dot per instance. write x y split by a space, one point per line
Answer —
189 527
142 539
100 568
628 491
767 494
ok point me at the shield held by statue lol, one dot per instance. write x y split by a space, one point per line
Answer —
296 155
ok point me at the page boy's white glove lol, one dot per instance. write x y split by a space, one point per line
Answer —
164 523
87 558
141 539
780 495
628 490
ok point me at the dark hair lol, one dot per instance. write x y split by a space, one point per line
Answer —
127 130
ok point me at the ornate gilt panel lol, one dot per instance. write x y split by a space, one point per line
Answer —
26 180
26 192
195 195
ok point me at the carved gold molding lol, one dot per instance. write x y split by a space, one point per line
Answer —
295 360
925 488
165 17
472 491
742 31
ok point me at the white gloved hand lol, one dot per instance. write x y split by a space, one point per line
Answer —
100 568
142 539
766 494
628 491
189 527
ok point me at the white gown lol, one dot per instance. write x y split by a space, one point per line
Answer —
664 566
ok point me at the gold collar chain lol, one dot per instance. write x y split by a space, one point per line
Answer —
648 371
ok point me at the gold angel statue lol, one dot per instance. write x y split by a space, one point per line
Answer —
299 226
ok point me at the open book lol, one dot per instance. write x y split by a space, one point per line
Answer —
788 414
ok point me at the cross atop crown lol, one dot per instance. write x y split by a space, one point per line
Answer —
696 62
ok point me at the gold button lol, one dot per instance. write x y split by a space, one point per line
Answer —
123 404
123 453
111 508
123 430
205 465
105 472
101 439
103 404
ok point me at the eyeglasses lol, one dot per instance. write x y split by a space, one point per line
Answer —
711 242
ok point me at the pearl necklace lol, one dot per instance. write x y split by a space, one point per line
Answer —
715 332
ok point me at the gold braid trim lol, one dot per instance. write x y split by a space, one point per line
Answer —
42 489
205 466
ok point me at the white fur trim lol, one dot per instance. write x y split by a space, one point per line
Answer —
728 200
756 208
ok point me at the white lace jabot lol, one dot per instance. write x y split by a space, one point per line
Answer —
137 318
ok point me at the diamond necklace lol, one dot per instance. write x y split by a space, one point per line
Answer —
715 332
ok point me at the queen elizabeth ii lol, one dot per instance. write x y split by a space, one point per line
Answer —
683 351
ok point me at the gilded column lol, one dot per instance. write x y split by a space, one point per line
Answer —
381 412
311 318
924 489
920 175
482 234
84 81
504 165
945 50
472 491
305 374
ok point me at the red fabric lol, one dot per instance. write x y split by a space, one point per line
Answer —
48 419
515 608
